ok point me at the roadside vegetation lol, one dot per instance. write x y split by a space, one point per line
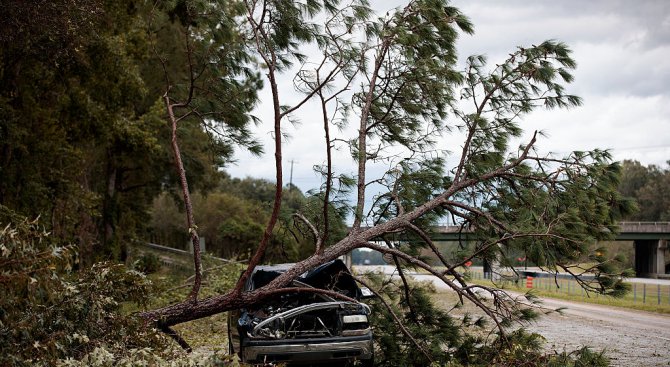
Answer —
89 318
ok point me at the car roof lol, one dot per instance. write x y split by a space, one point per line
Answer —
281 268
262 274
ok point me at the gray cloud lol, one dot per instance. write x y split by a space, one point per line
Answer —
621 47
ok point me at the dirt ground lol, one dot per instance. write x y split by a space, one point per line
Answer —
629 338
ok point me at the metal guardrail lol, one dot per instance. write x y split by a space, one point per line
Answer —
164 248
181 252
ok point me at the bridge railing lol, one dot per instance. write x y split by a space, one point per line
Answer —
645 223
644 227
628 226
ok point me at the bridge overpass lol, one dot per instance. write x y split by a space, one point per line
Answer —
651 246
649 238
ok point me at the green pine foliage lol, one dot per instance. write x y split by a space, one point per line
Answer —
431 326
455 341
520 348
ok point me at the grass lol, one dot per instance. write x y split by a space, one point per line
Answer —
171 286
643 297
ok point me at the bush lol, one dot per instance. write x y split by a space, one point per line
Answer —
48 313
148 263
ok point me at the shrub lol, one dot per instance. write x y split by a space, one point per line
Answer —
148 263
48 312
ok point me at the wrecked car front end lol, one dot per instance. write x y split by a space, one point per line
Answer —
304 328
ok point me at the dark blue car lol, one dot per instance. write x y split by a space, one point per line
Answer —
304 328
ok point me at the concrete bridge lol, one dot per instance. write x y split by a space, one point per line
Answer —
651 246
649 238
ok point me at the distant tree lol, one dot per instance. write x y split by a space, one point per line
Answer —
393 78
231 218
650 187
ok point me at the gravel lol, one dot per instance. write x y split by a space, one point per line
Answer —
629 338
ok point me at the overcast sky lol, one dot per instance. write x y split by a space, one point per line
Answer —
623 75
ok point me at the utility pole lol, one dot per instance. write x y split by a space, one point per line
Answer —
290 183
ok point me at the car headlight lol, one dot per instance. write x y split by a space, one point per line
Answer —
350 319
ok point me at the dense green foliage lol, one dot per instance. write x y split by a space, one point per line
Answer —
52 316
231 219
650 187
48 313
83 138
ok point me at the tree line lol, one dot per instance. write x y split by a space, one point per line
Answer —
231 216
83 137
650 187
83 141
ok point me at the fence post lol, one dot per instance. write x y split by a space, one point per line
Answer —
634 292
644 292
658 293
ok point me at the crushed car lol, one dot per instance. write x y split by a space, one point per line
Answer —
303 327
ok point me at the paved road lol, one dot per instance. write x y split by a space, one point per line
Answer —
630 338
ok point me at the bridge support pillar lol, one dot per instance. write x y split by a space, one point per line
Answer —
661 248
488 269
650 258
491 269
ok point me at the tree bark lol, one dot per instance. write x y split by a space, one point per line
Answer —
192 228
